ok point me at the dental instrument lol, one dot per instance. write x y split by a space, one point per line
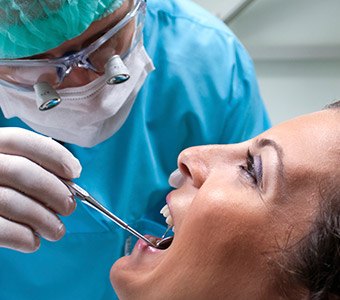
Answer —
87 199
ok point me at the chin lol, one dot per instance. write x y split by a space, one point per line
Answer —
133 276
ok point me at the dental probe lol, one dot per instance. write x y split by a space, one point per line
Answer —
86 198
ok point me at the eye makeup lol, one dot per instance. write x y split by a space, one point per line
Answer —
258 169
253 169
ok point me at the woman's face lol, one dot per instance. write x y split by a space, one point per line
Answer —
236 208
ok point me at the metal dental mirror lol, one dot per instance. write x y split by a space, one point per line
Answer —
86 198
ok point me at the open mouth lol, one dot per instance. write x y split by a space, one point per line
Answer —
164 243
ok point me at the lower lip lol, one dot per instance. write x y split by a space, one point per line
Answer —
143 247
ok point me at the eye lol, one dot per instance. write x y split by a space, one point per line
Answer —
253 168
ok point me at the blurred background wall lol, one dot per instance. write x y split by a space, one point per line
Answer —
295 45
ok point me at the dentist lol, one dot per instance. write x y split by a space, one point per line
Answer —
113 90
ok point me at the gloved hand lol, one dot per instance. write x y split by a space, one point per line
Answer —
31 194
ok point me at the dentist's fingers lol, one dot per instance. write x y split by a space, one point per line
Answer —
31 192
17 237
42 150
19 208
30 179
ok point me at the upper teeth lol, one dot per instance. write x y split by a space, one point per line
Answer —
166 213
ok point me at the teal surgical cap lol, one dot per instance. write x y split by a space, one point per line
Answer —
29 27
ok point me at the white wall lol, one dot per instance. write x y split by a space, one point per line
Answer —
220 8
295 45
292 88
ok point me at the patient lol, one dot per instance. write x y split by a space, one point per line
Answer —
255 220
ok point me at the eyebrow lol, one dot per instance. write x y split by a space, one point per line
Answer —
279 152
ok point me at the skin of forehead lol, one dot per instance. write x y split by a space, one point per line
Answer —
316 132
311 150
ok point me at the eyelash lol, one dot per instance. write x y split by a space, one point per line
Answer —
249 168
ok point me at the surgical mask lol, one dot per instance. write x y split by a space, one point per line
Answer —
87 115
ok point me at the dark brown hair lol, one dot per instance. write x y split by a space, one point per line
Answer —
316 260
334 105
314 263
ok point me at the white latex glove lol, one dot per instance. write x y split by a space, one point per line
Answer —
31 194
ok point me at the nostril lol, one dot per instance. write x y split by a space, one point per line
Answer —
193 164
196 170
185 170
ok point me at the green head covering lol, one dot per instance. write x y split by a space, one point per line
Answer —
29 27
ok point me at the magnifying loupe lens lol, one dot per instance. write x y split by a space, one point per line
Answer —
46 96
115 71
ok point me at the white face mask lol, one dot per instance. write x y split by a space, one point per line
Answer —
87 115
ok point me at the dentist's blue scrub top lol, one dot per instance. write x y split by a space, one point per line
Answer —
203 91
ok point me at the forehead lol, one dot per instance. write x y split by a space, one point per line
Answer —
310 143
320 130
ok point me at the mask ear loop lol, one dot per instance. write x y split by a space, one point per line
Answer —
46 96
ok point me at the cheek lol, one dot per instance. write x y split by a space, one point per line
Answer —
180 201
233 221
296 214
219 248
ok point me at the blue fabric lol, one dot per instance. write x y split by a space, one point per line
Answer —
203 91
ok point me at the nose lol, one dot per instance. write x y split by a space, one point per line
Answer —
78 77
194 163
198 163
